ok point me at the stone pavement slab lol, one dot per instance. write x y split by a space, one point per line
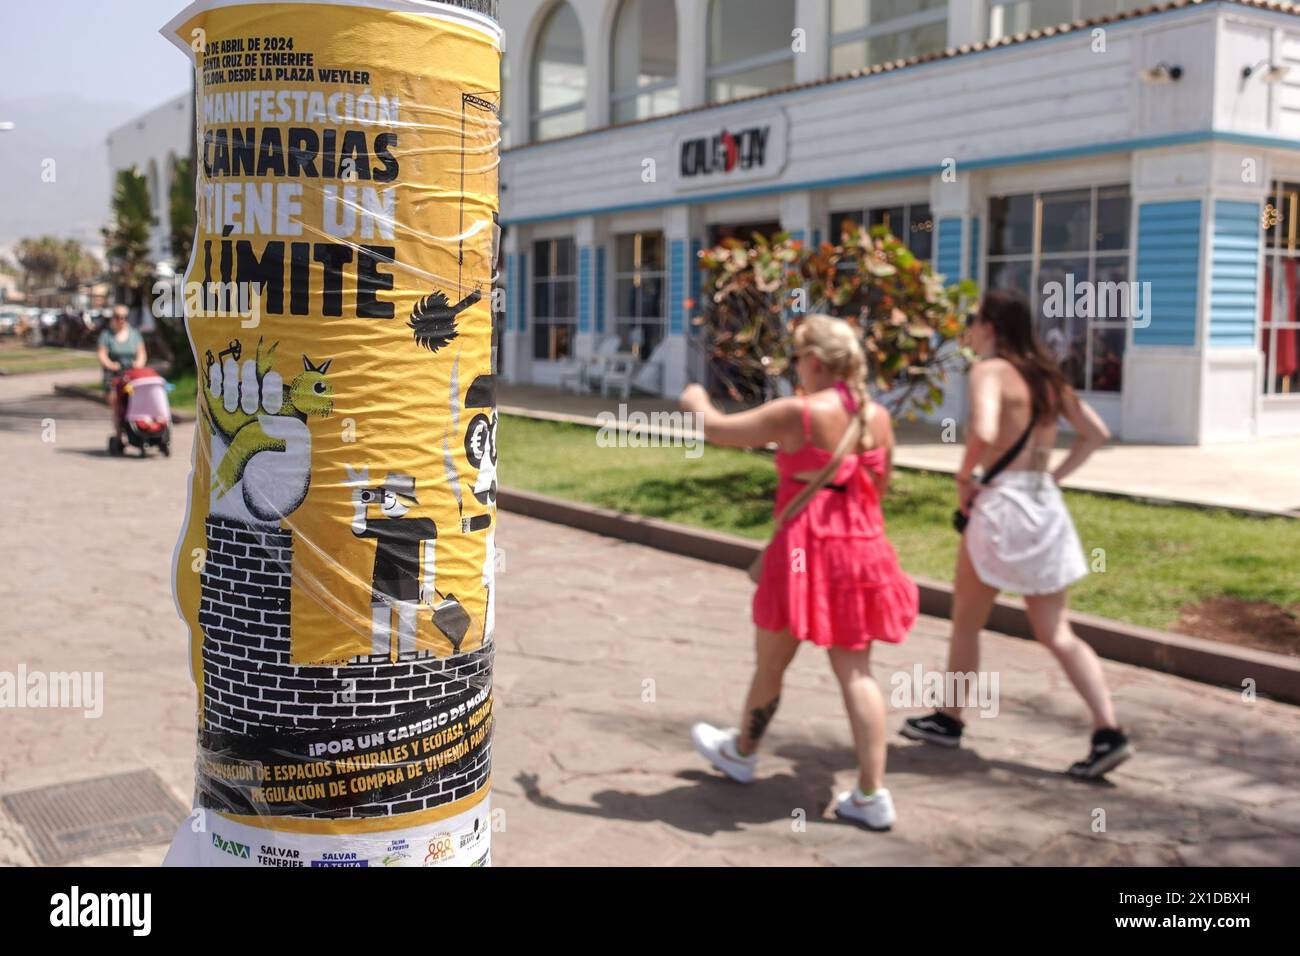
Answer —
607 652
1214 776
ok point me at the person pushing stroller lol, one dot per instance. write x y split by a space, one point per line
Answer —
121 347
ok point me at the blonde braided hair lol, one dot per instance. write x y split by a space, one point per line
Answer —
836 344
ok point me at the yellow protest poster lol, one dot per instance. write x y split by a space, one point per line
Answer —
336 567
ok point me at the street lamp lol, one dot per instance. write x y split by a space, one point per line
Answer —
6 126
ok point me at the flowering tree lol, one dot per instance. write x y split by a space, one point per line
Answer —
908 317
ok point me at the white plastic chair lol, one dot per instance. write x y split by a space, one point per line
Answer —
573 377
620 371
583 373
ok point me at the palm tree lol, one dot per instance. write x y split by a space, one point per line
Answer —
182 219
126 239
39 260
77 266
181 213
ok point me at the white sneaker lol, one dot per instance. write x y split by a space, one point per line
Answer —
875 812
719 747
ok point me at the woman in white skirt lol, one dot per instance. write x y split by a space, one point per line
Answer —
1018 535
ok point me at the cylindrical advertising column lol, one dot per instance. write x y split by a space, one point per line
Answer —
336 566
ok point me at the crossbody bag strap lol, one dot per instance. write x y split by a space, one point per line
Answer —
797 503
1009 456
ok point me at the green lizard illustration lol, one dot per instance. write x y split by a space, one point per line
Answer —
310 393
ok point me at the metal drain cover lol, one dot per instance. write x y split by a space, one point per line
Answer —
68 821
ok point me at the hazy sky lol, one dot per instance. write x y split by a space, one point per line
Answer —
70 71
96 49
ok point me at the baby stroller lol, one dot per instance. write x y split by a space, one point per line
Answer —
142 410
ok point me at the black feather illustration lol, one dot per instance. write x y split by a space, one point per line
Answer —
433 320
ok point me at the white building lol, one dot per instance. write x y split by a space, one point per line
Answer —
151 144
1107 140
1145 144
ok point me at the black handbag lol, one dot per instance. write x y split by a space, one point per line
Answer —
960 520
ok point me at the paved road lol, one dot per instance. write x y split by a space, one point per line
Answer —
590 767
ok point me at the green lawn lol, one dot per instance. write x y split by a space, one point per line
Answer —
15 361
1157 558
181 397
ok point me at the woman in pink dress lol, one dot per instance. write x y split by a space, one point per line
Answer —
830 576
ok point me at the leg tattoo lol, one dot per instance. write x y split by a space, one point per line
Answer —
760 717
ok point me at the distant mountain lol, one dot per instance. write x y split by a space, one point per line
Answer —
72 131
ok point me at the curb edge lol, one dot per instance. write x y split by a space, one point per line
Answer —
1209 662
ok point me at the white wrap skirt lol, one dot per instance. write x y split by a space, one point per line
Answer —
1020 537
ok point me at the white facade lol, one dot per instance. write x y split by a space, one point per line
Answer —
601 224
1175 172
151 144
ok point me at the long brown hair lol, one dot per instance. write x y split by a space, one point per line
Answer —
1013 330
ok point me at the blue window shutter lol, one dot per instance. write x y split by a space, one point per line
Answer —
676 286
948 260
1169 257
1234 274
600 289
584 289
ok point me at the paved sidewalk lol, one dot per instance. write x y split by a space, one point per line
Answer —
592 773
592 768
1256 476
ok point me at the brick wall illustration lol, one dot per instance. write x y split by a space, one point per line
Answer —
250 684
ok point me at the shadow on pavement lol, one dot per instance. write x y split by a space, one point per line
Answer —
927 759
706 802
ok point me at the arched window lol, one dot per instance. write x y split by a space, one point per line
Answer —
643 77
865 33
751 47
559 77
